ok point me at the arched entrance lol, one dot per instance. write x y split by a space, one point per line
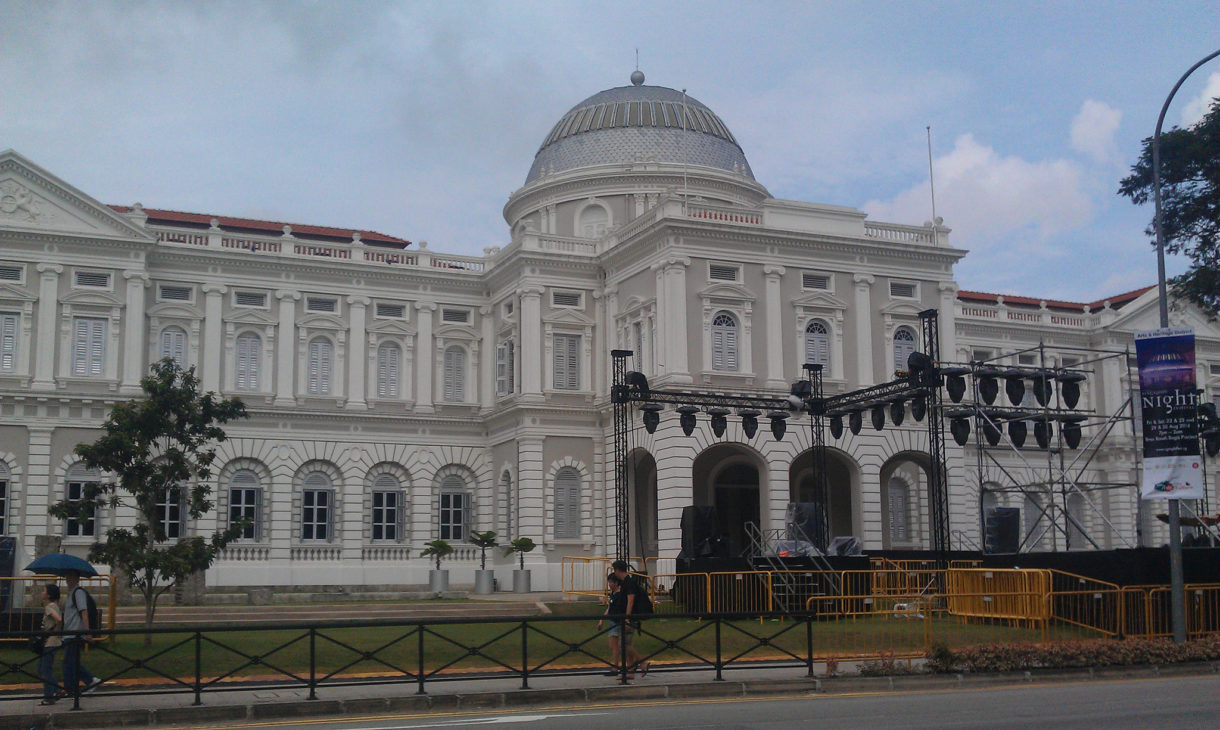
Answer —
726 476
642 503
842 484
905 519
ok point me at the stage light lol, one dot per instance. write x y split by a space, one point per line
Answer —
989 387
898 411
779 424
652 416
855 421
749 422
991 427
1071 434
799 393
638 380
836 424
960 428
918 362
1043 432
720 420
1041 384
955 382
919 408
1014 386
687 419
878 416
1069 387
1017 431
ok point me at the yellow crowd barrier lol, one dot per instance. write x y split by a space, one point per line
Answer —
22 597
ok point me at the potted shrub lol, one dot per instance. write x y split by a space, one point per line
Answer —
484 579
521 577
438 580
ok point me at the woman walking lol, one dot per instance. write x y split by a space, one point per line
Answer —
52 624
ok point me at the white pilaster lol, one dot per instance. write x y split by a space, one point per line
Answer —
211 358
531 497
773 276
948 319
48 304
285 355
134 332
424 357
864 329
358 308
531 343
487 364
677 336
661 350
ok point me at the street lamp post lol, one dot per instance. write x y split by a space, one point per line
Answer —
1176 582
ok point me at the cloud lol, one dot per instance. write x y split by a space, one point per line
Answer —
1195 108
1093 130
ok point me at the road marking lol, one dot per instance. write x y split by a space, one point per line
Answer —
485 721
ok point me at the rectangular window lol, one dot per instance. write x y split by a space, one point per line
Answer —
980 355
721 272
8 342
246 503
391 311
508 308
250 299
321 304
169 512
174 293
89 347
567 362
566 299
460 316
92 280
12 273
1214 368
1028 358
819 282
317 506
387 507
72 526
903 290
454 506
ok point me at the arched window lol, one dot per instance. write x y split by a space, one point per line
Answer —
724 342
454 513
246 502
904 345
249 349
6 477
455 374
817 344
567 504
1031 515
173 344
317 507
389 355
387 508
594 220
78 479
321 360
169 512
899 493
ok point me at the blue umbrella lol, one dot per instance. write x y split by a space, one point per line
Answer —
61 563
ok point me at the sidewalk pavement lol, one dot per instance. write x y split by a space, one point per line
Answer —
108 708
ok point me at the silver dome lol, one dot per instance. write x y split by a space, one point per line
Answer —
629 123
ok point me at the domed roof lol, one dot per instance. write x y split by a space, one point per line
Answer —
624 124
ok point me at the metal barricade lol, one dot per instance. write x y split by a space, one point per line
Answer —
24 609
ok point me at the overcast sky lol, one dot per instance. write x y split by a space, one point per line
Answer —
418 119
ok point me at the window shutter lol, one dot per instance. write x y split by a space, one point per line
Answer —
247 361
455 374
567 361
567 504
512 366
8 342
387 370
817 343
320 352
502 369
904 345
173 344
97 348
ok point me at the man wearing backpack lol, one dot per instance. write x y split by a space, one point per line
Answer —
638 602
76 628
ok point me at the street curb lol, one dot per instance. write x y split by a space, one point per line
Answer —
582 695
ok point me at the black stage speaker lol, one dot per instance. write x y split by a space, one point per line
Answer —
1002 530
700 532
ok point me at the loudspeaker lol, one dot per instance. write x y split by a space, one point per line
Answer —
1002 530
844 545
699 531
803 520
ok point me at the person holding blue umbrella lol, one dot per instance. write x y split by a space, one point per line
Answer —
75 616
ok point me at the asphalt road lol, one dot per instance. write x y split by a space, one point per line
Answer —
1150 703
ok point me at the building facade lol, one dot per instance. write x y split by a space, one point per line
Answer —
398 395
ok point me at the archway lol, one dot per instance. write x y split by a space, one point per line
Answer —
842 486
905 517
727 476
642 504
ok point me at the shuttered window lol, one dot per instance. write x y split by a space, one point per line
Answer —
902 289
5 478
899 498
391 311
8 342
92 279
817 344
455 315
249 353
321 304
317 507
567 504
567 362
89 347
454 508
724 342
173 344
720 272
170 293
321 359
455 374
389 357
565 299
904 345
815 281
249 299
387 506
246 502
12 273
505 368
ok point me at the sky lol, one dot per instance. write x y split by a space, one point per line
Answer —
418 119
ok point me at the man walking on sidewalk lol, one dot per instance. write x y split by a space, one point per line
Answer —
76 628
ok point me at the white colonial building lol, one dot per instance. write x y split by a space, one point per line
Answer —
398 394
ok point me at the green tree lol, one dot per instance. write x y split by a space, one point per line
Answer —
436 550
520 546
483 540
161 444
1190 203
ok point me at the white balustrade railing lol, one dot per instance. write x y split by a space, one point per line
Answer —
721 214
245 553
900 233
1038 316
190 239
385 552
316 553
568 245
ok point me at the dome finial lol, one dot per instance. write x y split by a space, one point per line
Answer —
637 77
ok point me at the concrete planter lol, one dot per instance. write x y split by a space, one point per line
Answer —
521 581
438 581
484 582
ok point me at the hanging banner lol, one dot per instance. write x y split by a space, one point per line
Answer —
1169 404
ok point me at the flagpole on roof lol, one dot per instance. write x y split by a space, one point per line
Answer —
682 142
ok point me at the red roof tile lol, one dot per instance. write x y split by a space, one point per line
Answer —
171 217
1116 301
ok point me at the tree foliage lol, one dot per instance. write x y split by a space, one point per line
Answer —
162 442
436 550
483 540
520 546
1190 203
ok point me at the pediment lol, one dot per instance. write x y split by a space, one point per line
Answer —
174 310
722 290
1146 315
252 316
32 199
902 309
391 327
568 316
9 292
322 321
101 298
459 331
819 300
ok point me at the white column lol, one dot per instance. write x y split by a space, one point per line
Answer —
661 347
677 335
356 352
285 349
948 319
531 343
211 355
487 364
48 303
864 330
775 333
134 332
424 357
